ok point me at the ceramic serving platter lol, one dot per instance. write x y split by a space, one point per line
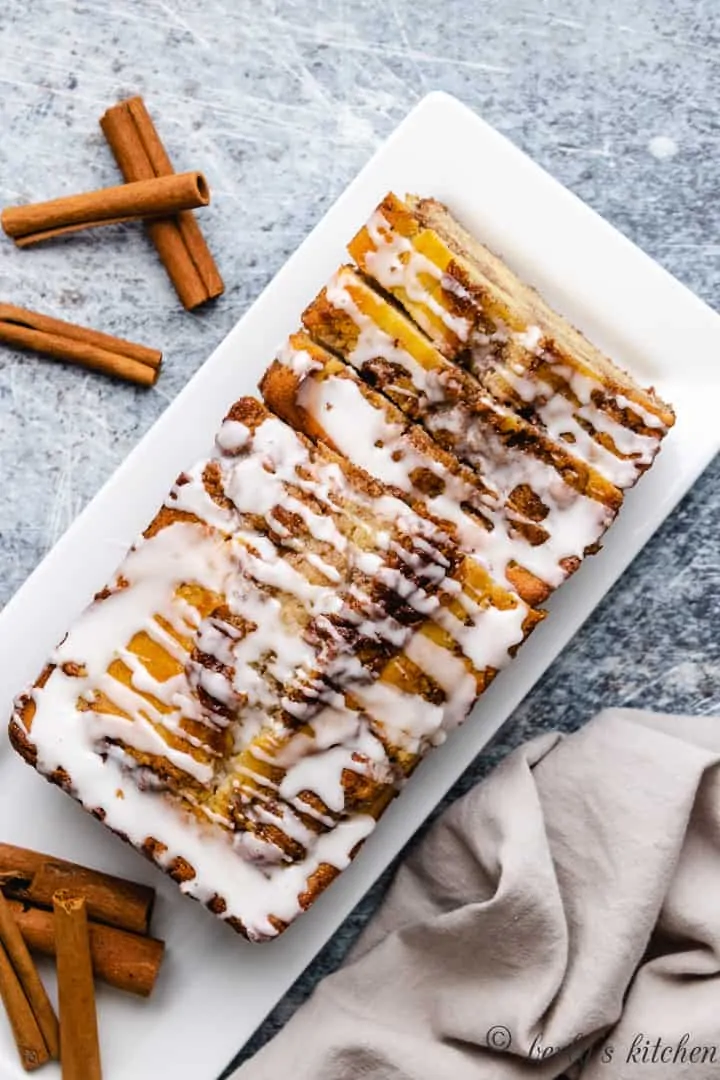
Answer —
216 988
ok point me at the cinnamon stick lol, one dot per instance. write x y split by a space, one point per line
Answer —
79 1043
26 1032
36 994
180 244
34 877
157 197
79 345
129 962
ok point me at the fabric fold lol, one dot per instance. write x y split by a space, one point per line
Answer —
564 914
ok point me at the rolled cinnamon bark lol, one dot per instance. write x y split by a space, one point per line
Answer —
180 244
158 197
26 1032
29 875
17 950
129 962
79 345
79 1041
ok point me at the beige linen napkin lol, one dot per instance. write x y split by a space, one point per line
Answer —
566 910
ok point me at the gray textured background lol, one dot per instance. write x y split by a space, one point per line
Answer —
280 104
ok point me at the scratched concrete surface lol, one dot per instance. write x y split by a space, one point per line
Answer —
280 104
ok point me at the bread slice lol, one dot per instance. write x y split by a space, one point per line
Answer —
558 505
477 310
268 664
321 396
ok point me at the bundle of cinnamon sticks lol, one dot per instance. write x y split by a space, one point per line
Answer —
153 194
96 926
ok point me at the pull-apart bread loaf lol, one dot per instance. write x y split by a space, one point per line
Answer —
324 597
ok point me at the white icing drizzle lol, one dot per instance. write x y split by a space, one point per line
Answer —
530 338
372 341
648 418
485 640
233 436
68 737
573 521
321 773
192 498
449 673
384 450
325 568
370 441
395 263
303 361
408 720
560 416
382 447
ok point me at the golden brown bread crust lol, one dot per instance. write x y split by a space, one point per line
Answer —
22 743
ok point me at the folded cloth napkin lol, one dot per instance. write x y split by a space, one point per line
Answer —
561 918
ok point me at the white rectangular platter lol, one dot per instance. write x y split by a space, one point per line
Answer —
215 989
